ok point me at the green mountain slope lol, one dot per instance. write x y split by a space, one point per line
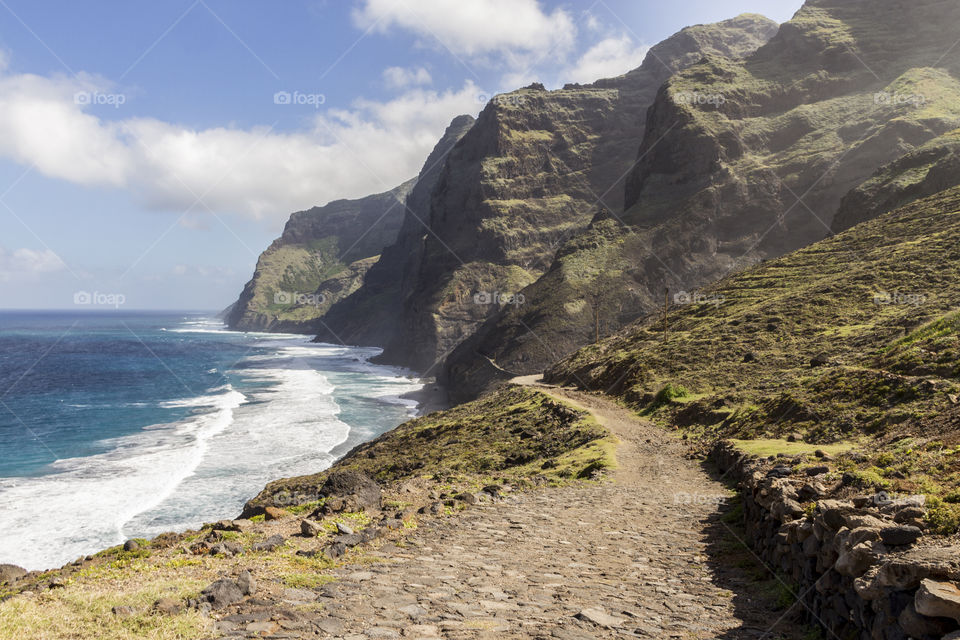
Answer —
744 160
855 336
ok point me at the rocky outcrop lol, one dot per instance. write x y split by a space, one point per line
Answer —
847 573
932 168
322 256
532 172
742 160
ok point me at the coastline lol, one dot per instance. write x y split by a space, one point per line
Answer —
431 397
428 398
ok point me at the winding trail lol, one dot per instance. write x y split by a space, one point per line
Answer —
628 558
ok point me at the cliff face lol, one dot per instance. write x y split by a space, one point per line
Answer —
741 160
521 182
368 315
321 257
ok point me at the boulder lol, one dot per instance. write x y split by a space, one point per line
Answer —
227 525
131 545
938 599
353 486
310 529
223 593
274 513
900 535
11 572
270 543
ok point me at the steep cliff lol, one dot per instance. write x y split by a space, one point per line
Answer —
525 178
321 257
741 160
368 316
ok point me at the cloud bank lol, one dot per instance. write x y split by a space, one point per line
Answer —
54 124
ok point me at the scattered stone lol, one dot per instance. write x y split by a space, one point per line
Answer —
310 529
335 551
223 593
246 583
275 513
938 599
909 515
167 606
493 489
902 535
818 470
131 545
11 572
270 543
780 471
351 540
599 617
344 529
467 498
227 525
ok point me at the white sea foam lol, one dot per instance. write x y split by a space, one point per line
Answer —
280 418
85 502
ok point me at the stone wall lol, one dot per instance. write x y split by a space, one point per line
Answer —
861 567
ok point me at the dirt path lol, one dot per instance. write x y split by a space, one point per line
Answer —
628 558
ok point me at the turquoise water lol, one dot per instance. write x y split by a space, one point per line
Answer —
121 425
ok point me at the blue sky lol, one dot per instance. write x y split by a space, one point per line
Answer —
144 150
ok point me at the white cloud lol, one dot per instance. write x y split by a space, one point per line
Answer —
400 77
610 57
370 147
474 27
28 262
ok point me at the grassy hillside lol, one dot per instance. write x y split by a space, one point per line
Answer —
855 339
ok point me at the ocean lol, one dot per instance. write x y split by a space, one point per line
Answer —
122 425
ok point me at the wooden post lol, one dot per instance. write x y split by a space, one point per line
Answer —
666 309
